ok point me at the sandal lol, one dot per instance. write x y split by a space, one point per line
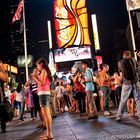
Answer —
50 138
46 138
42 136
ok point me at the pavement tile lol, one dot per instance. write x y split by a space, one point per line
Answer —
73 127
129 136
121 128
65 138
96 136
62 130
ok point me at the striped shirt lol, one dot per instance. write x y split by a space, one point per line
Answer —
33 86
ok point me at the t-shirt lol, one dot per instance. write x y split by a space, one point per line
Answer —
33 86
20 96
103 77
89 85
60 91
125 81
80 87
44 89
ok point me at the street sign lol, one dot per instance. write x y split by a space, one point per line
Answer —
133 4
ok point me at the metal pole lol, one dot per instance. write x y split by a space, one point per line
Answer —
25 42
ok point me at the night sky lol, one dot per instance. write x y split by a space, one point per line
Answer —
111 16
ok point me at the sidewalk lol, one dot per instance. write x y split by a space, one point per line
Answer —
73 127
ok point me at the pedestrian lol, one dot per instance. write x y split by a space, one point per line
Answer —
44 80
14 103
80 88
31 105
34 88
105 88
118 86
6 113
89 89
60 96
53 103
3 102
20 99
127 66
113 102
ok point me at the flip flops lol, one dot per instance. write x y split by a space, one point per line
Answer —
46 138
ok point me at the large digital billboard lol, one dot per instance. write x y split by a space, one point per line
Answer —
71 23
21 60
71 54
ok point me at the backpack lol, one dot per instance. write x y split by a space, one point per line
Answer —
128 69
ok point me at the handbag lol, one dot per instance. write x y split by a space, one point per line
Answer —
4 77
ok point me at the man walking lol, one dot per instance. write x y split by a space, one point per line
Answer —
127 66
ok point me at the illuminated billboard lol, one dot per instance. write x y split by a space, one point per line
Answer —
133 4
71 23
21 60
71 54
95 32
10 68
99 62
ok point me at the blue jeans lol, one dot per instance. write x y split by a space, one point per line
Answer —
126 91
21 106
106 92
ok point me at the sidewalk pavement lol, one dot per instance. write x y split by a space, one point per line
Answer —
73 127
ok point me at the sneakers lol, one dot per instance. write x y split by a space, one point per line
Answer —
118 119
107 113
138 119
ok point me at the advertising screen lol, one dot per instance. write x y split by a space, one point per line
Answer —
21 60
99 62
71 54
71 23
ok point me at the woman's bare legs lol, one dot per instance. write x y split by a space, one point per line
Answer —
48 121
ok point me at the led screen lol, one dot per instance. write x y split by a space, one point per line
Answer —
21 61
71 54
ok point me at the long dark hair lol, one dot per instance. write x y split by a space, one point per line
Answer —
45 66
19 87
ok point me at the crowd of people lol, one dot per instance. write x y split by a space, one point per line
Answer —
86 94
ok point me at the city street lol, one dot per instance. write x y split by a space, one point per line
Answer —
73 127
75 55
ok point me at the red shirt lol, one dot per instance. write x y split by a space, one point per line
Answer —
79 87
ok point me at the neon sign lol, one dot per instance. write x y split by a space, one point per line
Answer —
71 23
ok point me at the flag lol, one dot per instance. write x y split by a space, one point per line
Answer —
133 4
17 15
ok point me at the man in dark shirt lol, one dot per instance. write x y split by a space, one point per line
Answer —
128 87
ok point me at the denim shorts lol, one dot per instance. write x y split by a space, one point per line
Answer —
44 100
